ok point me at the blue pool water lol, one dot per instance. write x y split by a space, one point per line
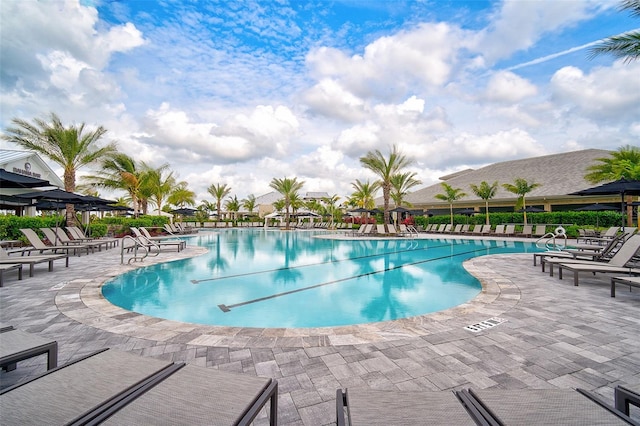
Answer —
265 278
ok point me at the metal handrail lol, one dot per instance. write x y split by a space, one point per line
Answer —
136 245
548 240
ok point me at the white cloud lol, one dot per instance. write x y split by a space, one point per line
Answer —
508 87
605 92
518 24
266 131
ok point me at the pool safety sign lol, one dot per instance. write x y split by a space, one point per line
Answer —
483 325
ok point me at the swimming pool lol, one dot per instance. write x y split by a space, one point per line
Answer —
265 278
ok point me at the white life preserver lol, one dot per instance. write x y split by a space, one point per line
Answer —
560 231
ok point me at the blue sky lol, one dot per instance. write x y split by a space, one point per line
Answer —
242 92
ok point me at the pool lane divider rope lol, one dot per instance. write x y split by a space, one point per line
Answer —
227 308
284 268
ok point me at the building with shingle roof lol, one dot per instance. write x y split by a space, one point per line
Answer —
557 174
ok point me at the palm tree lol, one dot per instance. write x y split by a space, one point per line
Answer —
385 169
521 188
288 188
120 172
70 147
207 206
249 203
401 183
331 203
233 205
156 185
219 191
486 192
182 195
365 192
625 162
625 46
450 195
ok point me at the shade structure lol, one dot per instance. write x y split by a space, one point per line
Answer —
468 212
596 208
15 180
400 209
359 210
184 211
622 186
532 209
56 196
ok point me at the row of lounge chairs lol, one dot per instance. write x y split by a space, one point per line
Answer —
483 407
59 246
620 257
379 230
503 230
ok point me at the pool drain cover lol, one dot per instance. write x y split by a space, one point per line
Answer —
483 325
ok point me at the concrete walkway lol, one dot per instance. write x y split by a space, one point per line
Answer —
554 335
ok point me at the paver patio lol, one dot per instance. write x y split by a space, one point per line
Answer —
555 336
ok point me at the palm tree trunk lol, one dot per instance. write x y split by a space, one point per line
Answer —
70 186
486 207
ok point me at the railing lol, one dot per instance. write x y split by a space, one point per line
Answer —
549 240
137 245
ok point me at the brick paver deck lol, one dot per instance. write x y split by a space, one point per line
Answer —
555 336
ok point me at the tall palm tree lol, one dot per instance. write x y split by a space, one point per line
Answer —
70 147
157 184
219 191
121 172
385 169
331 203
288 188
450 195
401 183
249 203
625 162
182 195
486 192
233 205
365 193
521 188
625 46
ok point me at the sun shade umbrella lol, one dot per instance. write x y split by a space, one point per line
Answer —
531 209
55 196
184 211
622 186
14 180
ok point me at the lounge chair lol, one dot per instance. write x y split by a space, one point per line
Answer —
527 231
541 406
484 230
5 259
41 247
625 397
608 234
481 407
408 408
593 252
617 263
509 231
77 234
630 281
121 388
18 345
9 267
539 231
158 245
58 234
499 230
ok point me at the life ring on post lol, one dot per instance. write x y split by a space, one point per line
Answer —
560 231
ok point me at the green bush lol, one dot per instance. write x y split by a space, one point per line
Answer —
10 225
